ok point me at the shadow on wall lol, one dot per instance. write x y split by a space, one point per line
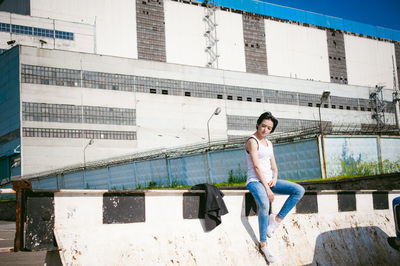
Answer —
355 246
249 208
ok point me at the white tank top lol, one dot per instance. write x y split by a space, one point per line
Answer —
264 158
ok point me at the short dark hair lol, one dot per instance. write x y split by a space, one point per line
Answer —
268 116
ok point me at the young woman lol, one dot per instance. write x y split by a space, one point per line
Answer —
262 181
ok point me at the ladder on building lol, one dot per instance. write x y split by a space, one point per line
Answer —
377 105
211 33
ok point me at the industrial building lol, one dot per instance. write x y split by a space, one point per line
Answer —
89 80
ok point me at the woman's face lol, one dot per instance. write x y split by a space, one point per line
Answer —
265 127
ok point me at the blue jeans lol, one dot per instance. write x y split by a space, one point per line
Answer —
396 201
295 192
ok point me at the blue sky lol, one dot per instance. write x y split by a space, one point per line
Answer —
385 13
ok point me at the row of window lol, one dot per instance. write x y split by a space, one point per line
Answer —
27 30
64 113
78 133
100 80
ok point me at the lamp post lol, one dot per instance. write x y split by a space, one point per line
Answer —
324 97
216 112
91 141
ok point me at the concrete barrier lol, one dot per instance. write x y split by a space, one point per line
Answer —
165 227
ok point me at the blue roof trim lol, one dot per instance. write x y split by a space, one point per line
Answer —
272 10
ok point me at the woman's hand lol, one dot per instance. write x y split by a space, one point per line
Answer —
270 194
272 183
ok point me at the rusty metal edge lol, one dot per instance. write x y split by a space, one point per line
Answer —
21 188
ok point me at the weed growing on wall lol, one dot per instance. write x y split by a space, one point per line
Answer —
152 185
390 167
361 168
237 176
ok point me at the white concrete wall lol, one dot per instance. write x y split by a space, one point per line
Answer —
369 62
115 23
296 51
43 154
185 41
166 238
83 33
231 41
184 29
170 121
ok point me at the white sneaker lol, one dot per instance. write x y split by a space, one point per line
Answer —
271 258
272 225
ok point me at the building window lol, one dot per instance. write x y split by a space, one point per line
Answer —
78 133
64 113
4 27
40 32
333 106
43 32
110 81
21 29
326 105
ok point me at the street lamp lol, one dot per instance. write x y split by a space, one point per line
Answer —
91 141
324 98
216 112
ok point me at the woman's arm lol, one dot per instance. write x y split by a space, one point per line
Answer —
251 148
274 169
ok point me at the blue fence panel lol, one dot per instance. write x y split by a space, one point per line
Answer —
224 162
189 170
48 183
390 148
73 181
97 178
298 161
122 176
152 171
344 154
